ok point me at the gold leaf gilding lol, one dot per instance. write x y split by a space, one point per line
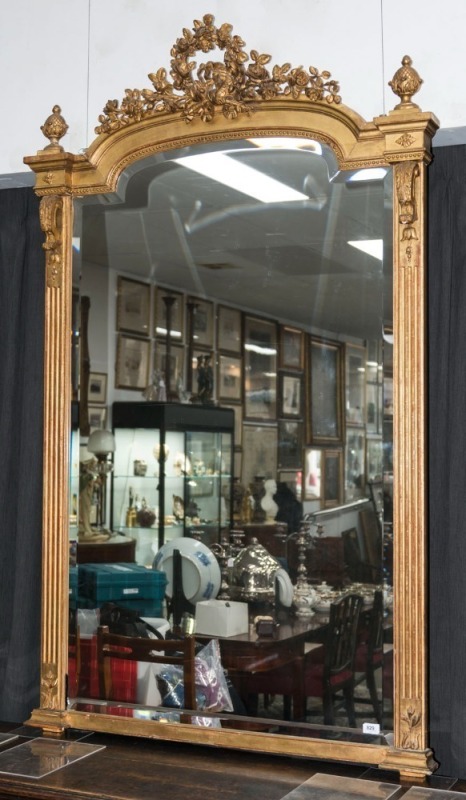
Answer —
229 87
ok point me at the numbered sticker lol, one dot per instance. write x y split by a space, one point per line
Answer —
371 727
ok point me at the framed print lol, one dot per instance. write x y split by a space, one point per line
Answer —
325 392
97 417
195 375
388 397
355 384
290 444
373 411
97 391
374 459
229 379
312 489
355 460
132 365
290 395
176 362
133 306
260 369
168 308
229 330
259 454
202 322
238 413
332 481
291 348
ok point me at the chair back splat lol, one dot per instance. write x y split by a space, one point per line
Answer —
155 651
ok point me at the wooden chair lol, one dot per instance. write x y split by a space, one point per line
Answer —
370 654
327 671
155 651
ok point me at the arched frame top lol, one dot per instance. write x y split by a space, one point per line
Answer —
402 138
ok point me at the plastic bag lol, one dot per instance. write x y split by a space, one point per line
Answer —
212 692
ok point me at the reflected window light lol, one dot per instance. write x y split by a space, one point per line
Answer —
287 143
374 174
373 247
231 172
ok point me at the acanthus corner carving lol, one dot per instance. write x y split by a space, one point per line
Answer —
405 181
54 128
49 685
50 219
405 83
411 726
229 87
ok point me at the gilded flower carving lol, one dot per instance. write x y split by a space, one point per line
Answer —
229 87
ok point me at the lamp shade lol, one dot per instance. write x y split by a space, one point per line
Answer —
101 442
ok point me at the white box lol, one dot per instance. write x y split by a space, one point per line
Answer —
221 617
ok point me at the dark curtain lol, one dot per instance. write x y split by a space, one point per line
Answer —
21 404
447 457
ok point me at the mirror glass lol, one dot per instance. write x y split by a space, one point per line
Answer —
235 335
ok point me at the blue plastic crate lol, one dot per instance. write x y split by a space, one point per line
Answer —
121 582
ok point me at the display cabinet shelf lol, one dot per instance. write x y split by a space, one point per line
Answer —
172 472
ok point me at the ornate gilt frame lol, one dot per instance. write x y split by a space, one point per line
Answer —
227 100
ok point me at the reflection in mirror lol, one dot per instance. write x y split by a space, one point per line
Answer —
239 335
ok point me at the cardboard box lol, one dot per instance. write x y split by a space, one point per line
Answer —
221 617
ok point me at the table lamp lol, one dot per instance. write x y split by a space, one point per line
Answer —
101 443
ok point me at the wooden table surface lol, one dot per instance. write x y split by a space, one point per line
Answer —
140 769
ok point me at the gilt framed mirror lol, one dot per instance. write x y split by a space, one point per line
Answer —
345 246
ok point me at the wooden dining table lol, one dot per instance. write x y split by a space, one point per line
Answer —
251 653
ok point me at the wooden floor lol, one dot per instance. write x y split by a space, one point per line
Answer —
136 769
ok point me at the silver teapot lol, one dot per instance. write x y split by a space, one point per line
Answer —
252 577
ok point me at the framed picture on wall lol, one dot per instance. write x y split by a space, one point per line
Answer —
291 348
355 384
133 306
312 488
259 455
324 392
132 364
202 322
229 330
196 377
332 478
97 391
355 461
97 417
176 362
238 413
290 444
229 379
260 369
168 308
290 395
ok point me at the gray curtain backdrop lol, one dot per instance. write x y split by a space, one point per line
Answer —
447 457
21 404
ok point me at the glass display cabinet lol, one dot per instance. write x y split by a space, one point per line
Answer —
172 473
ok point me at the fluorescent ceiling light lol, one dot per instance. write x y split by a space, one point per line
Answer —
373 247
263 351
163 332
375 174
220 167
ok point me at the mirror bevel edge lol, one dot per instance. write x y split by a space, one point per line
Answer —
402 138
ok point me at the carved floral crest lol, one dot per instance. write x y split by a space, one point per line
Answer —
229 87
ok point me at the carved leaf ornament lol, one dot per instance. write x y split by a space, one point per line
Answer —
229 87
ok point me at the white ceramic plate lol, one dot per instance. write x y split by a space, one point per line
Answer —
200 568
285 587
